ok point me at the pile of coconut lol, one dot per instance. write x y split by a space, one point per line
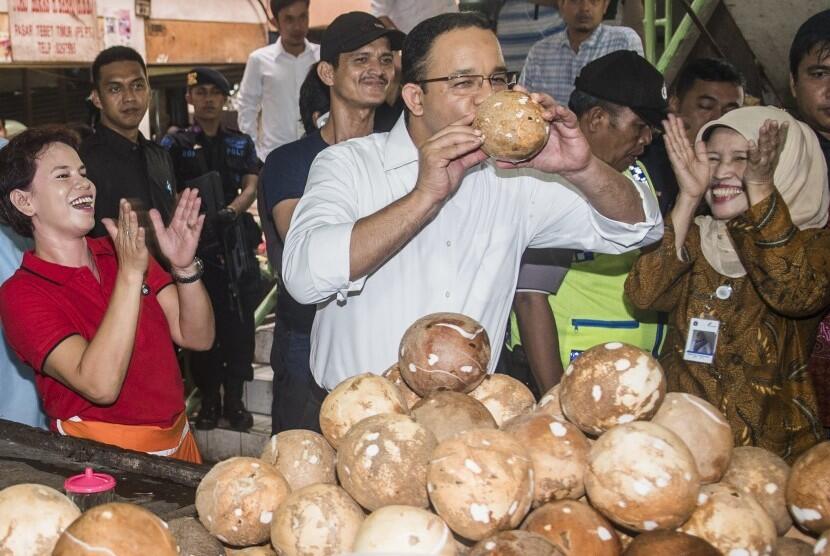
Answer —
437 456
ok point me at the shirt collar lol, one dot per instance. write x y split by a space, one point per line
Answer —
60 274
279 50
562 38
116 140
399 150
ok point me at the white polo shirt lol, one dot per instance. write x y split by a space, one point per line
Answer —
466 260
271 86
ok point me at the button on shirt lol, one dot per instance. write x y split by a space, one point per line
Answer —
465 260
552 66
271 86
406 14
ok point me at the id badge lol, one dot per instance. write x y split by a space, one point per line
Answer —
701 341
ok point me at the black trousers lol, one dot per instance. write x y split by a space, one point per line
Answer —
229 362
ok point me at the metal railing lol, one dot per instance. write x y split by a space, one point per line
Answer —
671 38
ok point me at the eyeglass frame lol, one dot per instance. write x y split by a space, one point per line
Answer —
512 78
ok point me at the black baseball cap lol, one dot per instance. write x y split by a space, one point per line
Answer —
350 31
626 78
208 76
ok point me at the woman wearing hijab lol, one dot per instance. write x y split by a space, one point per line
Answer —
97 318
745 288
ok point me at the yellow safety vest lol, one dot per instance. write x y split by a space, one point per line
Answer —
590 306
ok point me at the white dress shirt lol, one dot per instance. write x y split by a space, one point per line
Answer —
466 260
406 14
271 86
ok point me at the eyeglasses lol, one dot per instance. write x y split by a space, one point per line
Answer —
470 84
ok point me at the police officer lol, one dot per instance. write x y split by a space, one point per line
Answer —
223 164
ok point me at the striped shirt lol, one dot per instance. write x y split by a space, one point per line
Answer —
552 66
521 25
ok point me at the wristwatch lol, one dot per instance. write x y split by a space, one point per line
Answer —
200 269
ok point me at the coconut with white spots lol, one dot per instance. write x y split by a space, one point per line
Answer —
393 373
642 476
512 126
237 498
480 482
549 403
808 489
446 413
703 428
504 397
303 457
117 528
515 543
32 517
574 528
732 521
402 530
316 519
383 460
355 399
669 543
611 384
444 351
764 475
558 452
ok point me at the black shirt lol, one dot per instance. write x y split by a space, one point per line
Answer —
141 172
284 177
387 116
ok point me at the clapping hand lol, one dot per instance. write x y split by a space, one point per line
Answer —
179 240
691 166
762 158
128 238
567 150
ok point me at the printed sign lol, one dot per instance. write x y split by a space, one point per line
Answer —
53 30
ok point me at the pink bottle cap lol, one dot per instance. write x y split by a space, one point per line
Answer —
89 483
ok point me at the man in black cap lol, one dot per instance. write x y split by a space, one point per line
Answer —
223 164
357 64
619 100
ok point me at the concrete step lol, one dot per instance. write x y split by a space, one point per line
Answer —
264 338
223 443
258 392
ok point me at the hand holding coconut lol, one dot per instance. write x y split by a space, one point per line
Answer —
535 129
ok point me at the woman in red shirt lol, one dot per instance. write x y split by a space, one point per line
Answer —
97 319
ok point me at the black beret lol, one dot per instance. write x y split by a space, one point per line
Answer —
208 76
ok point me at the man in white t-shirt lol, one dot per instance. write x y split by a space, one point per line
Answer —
269 94
394 226
406 14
